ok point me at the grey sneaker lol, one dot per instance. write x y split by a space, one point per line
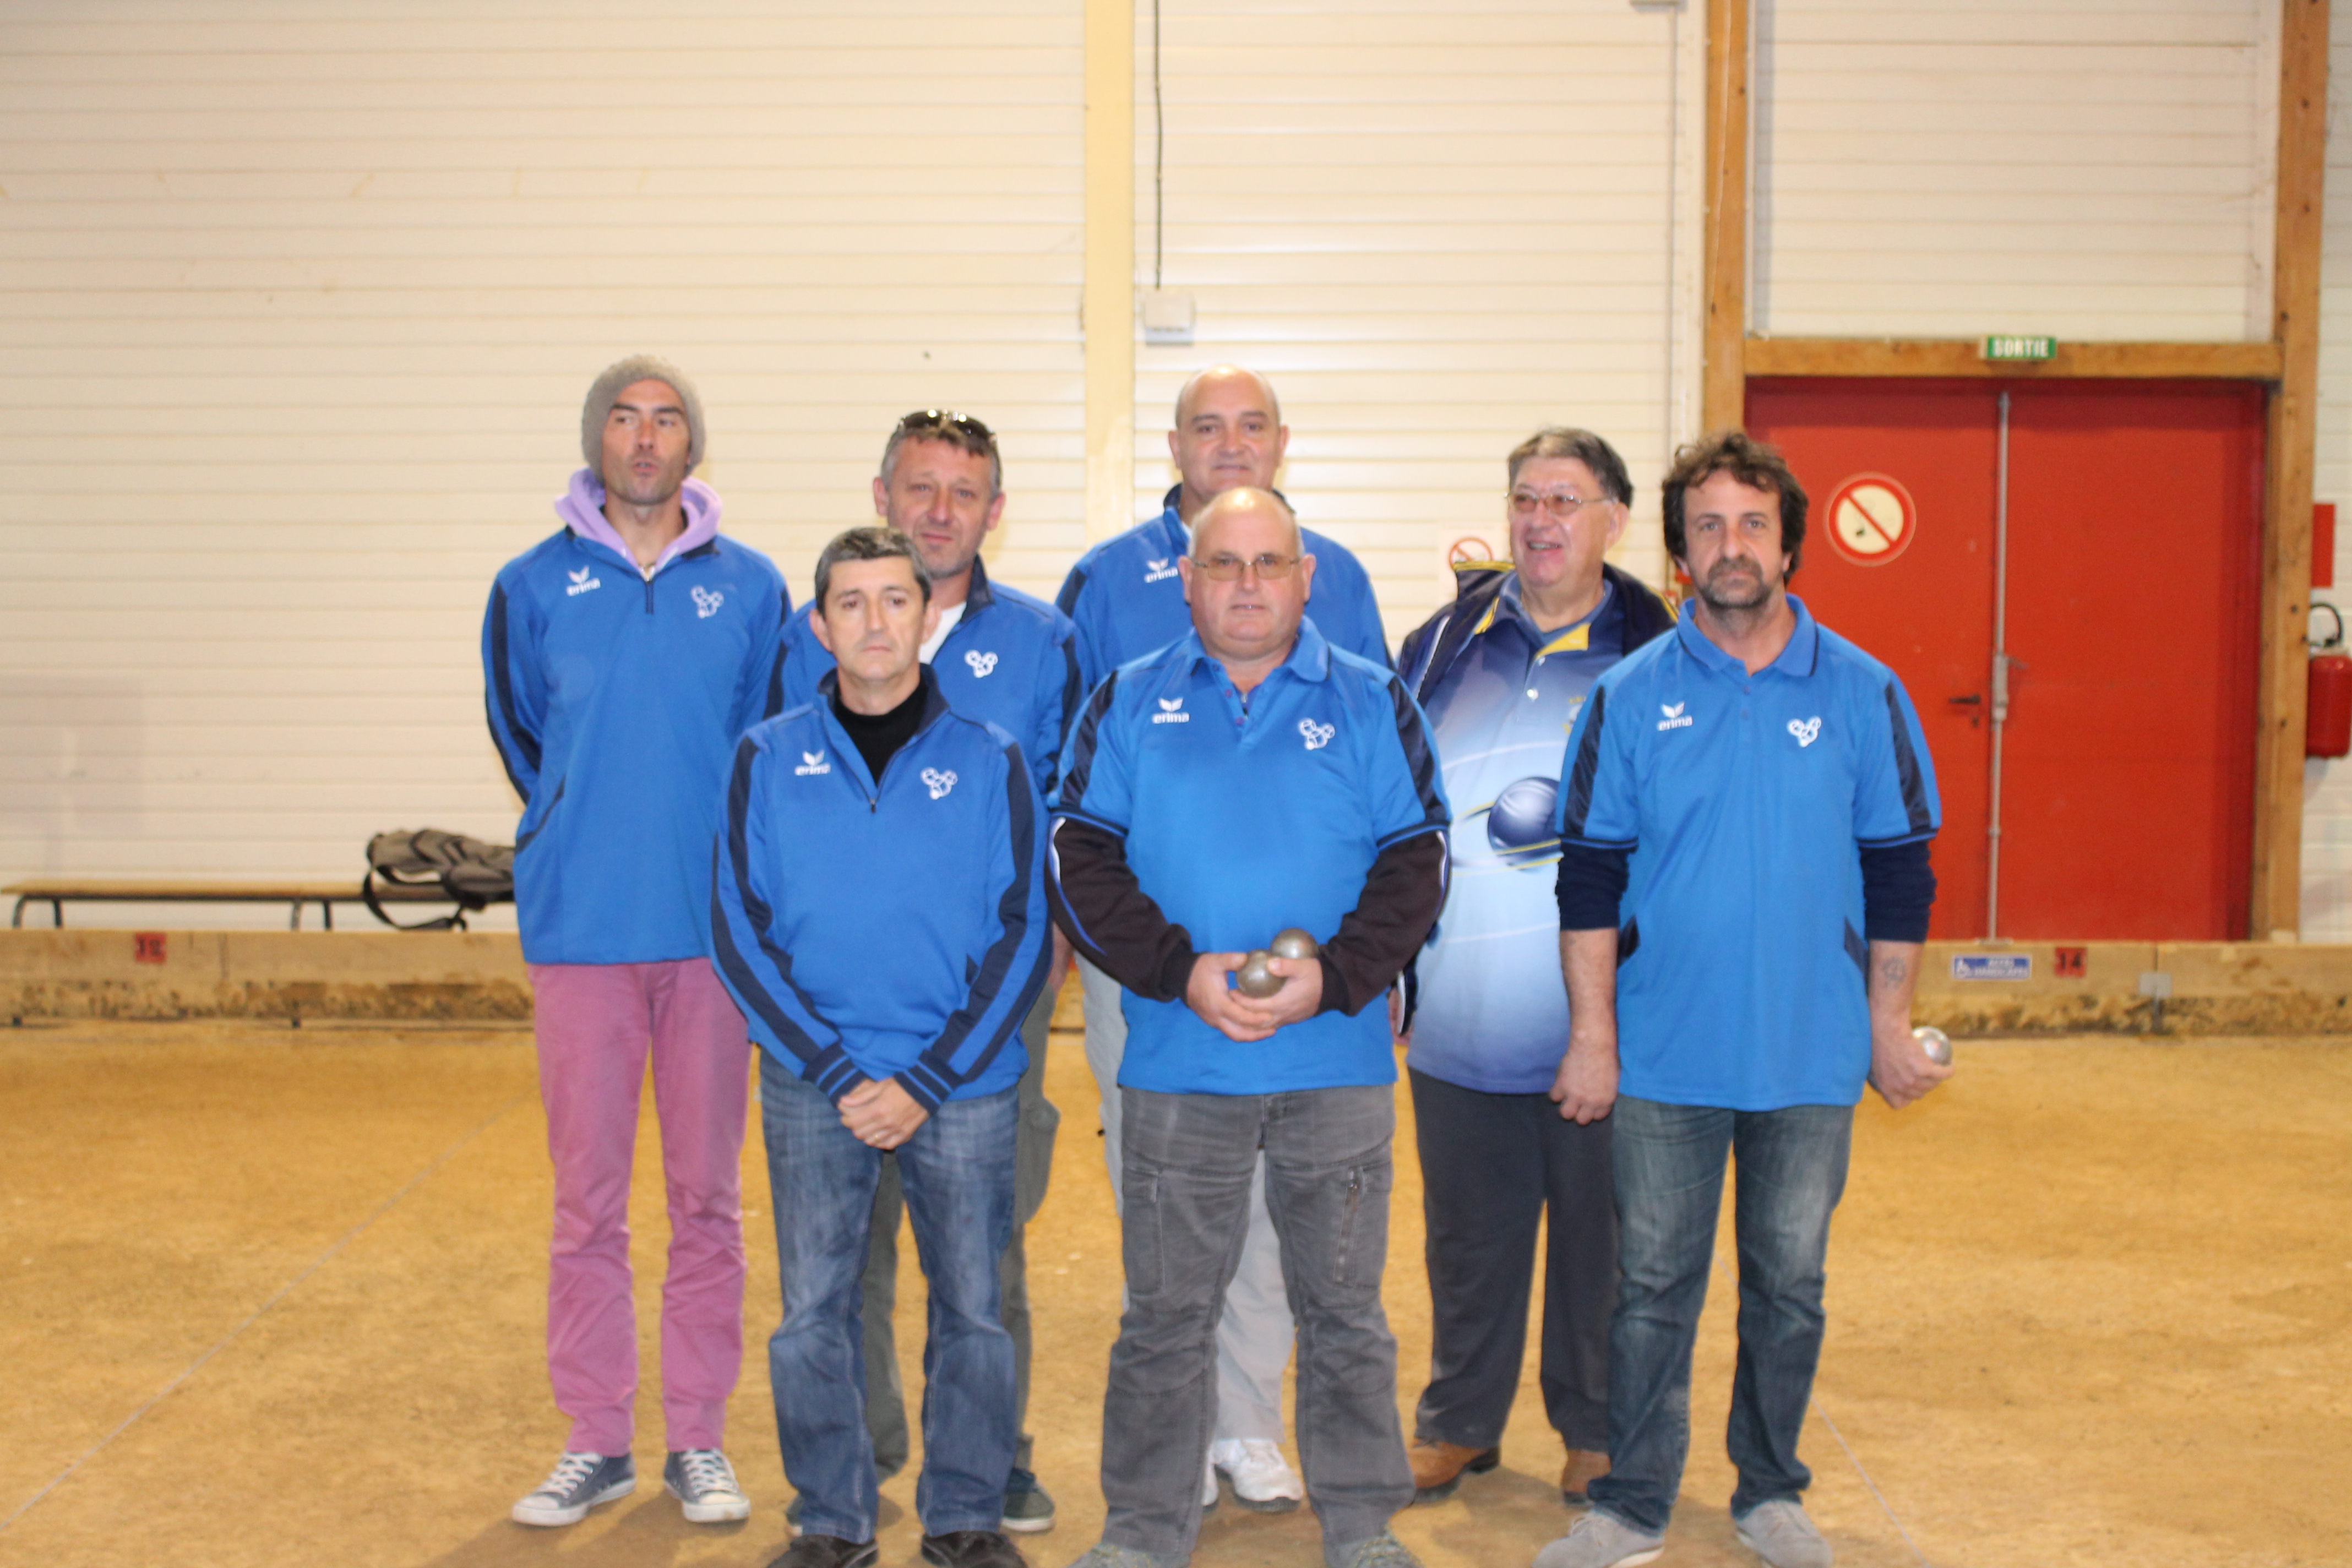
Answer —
578 1483
1103 1554
703 1480
1598 1540
1779 1532
1028 1506
1382 1551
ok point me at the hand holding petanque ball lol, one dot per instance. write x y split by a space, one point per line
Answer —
1256 979
1936 1044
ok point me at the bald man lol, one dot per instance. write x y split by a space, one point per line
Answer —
1128 600
1245 778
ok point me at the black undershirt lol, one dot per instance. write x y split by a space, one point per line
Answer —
878 736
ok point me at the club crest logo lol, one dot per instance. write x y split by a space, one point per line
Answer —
1160 571
941 781
813 762
1171 712
1675 718
582 581
1318 735
982 664
1807 730
705 602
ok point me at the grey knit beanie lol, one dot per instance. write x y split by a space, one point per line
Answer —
607 391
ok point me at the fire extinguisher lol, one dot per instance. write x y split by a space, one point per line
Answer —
2327 722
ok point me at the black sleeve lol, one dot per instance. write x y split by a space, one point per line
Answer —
1108 917
1403 893
1590 884
1898 888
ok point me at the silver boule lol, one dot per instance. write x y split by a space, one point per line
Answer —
1936 1044
1255 978
1293 944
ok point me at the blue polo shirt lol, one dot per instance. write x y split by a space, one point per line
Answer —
1745 801
1128 599
1242 820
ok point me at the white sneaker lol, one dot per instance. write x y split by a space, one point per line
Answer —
703 1480
578 1483
1263 1480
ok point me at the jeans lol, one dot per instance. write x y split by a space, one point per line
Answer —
1254 1336
1188 1167
1033 1156
1494 1169
595 1025
1669 1161
957 1174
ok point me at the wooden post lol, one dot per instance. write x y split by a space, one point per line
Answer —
1108 304
1722 378
2277 892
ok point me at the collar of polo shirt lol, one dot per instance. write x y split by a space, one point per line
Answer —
1799 660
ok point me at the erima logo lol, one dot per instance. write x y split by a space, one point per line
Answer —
1318 735
1160 571
813 762
1675 718
582 581
1171 712
1807 730
982 663
705 602
941 781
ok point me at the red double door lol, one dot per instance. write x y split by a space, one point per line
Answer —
2134 537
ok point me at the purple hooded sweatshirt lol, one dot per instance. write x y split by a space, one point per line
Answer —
582 507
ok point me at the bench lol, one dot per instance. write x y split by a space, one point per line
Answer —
58 891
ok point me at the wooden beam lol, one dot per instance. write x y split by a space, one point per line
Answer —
2277 892
1107 308
1964 357
1723 375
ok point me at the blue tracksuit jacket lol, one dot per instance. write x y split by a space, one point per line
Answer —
615 703
1012 660
1127 600
884 928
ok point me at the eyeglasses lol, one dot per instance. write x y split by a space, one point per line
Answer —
1228 568
945 419
1558 503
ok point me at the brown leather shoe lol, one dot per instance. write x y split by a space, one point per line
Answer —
1583 1468
1437 1468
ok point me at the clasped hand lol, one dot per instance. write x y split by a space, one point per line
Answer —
881 1115
1241 1017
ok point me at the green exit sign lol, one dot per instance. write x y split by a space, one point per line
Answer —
2010 347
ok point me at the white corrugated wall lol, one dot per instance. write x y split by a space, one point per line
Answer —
2090 169
298 303
1436 228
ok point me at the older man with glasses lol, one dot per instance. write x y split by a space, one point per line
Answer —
1249 778
1503 671
1005 657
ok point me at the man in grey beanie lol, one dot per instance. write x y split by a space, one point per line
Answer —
616 705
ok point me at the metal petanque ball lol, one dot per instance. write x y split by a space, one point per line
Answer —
1254 978
1936 1042
1293 944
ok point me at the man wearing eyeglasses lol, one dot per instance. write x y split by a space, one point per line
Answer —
1502 672
1127 598
1011 659
1247 778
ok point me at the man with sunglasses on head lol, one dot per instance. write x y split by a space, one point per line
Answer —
1127 598
1502 672
1005 657
1247 778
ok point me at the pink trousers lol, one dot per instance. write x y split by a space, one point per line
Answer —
596 1023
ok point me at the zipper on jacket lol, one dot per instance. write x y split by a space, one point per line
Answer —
649 595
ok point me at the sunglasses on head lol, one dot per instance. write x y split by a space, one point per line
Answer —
945 419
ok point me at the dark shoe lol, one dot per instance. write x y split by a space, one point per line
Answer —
1438 1467
828 1552
1583 1468
1027 1507
972 1549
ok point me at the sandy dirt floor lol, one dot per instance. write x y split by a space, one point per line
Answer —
271 1296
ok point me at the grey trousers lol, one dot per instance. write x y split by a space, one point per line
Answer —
1033 1166
1188 1158
1254 1337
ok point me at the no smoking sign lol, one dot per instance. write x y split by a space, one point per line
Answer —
1872 518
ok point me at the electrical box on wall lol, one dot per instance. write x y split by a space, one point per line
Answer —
1167 318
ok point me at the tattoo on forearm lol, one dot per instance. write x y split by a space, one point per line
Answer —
1893 972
